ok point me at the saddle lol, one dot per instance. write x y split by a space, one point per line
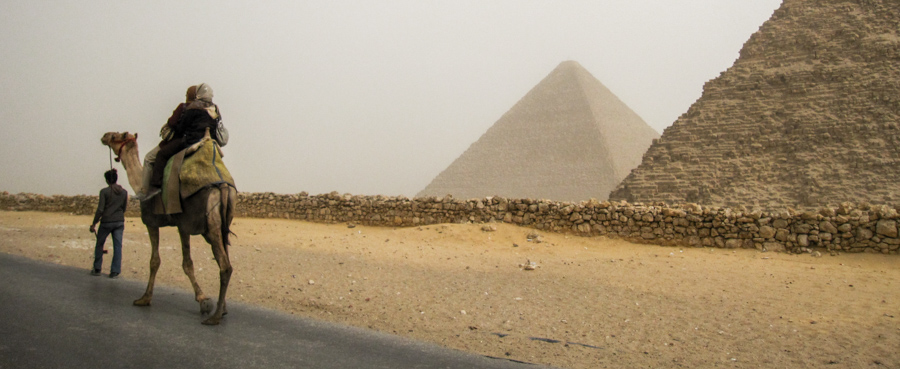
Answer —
189 171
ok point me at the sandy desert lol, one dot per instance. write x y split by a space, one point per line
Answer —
587 303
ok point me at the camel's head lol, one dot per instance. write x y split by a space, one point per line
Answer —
117 141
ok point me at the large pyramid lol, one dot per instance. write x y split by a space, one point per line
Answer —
568 139
807 117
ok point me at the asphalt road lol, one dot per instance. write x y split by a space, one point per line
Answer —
55 316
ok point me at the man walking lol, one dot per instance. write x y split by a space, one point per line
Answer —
111 216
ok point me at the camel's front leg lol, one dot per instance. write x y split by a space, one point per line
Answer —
221 255
188 265
153 232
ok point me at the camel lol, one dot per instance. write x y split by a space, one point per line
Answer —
209 213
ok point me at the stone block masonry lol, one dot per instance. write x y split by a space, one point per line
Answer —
845 228
808 115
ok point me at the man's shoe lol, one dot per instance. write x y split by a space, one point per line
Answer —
95 272
114 275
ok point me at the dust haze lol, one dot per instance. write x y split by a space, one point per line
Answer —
362 98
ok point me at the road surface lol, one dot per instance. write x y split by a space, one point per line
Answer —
54 316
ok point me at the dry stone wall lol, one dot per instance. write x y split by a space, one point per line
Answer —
78 205
845 228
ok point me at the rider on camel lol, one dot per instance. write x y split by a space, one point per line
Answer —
167 134
193 118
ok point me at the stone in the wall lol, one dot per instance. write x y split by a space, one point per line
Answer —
766 232
887 228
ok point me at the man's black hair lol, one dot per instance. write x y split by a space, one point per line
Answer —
111 176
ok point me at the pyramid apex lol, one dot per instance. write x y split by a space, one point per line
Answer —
569 64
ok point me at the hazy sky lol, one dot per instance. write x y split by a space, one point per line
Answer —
359 97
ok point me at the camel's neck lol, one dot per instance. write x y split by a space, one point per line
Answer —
131 160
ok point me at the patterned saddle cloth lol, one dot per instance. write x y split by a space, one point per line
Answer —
196 170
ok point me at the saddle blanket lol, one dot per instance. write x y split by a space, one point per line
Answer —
196 171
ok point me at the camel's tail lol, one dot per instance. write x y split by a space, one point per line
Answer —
225 193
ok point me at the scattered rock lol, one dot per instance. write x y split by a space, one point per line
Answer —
529 265
534 237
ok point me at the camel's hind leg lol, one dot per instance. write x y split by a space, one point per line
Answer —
188 265
224 277
153 232
214 236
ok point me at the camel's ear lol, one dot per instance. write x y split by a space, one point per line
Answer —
135 135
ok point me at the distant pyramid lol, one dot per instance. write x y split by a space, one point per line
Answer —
807 116
568 139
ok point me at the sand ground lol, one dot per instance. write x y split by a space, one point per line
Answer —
590 303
